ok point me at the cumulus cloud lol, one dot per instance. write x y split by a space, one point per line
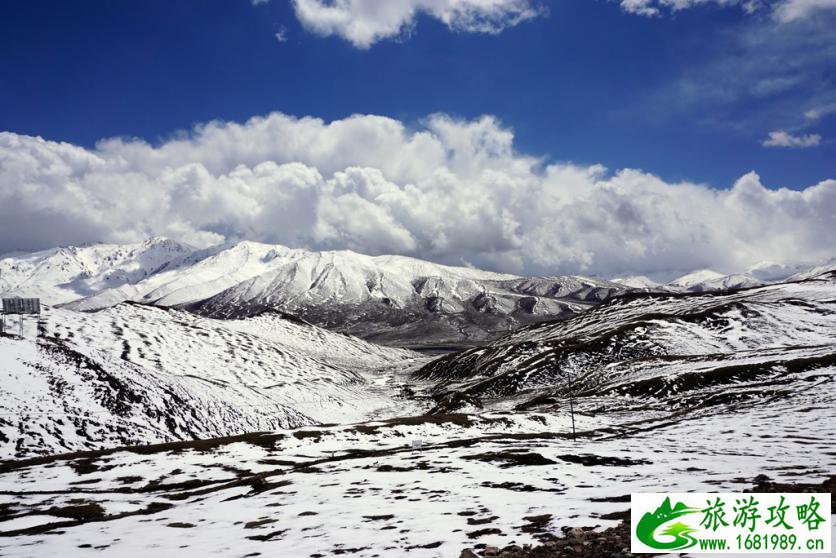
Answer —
780 138
784 10
365 22
447 190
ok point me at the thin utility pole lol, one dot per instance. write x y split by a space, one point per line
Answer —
572 404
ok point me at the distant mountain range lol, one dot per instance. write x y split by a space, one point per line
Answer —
389 299
679 349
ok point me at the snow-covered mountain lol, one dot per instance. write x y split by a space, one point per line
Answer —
390 299
137 375
815 271
285 438
193 277
663 345
758 275
695 278
702 282
636 282
771 272
70 273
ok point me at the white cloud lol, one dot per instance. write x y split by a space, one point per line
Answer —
792 10
365 22
757 75
780 138
447 190
656 7
820 112
281 34
784 10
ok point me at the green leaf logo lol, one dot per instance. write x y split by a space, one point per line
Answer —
681 533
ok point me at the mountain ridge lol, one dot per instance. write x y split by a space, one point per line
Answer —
655 339
395 300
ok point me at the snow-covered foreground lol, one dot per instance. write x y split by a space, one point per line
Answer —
137 375
672 393
364 490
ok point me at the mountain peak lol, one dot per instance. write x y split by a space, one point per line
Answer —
699 276
388 295
636 282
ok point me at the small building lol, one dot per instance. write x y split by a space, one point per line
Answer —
20 307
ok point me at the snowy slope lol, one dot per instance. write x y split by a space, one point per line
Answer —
727 282
362 490
651 344
825 267
134 374
193 277
65 274
695 278
758 275
636 282
707 281
392 299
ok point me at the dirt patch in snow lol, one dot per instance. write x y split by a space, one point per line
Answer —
615 541
591 460
511 459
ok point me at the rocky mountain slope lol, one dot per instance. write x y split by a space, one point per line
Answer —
670 347
137 375
391 299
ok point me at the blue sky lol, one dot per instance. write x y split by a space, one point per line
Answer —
588 83
608 137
